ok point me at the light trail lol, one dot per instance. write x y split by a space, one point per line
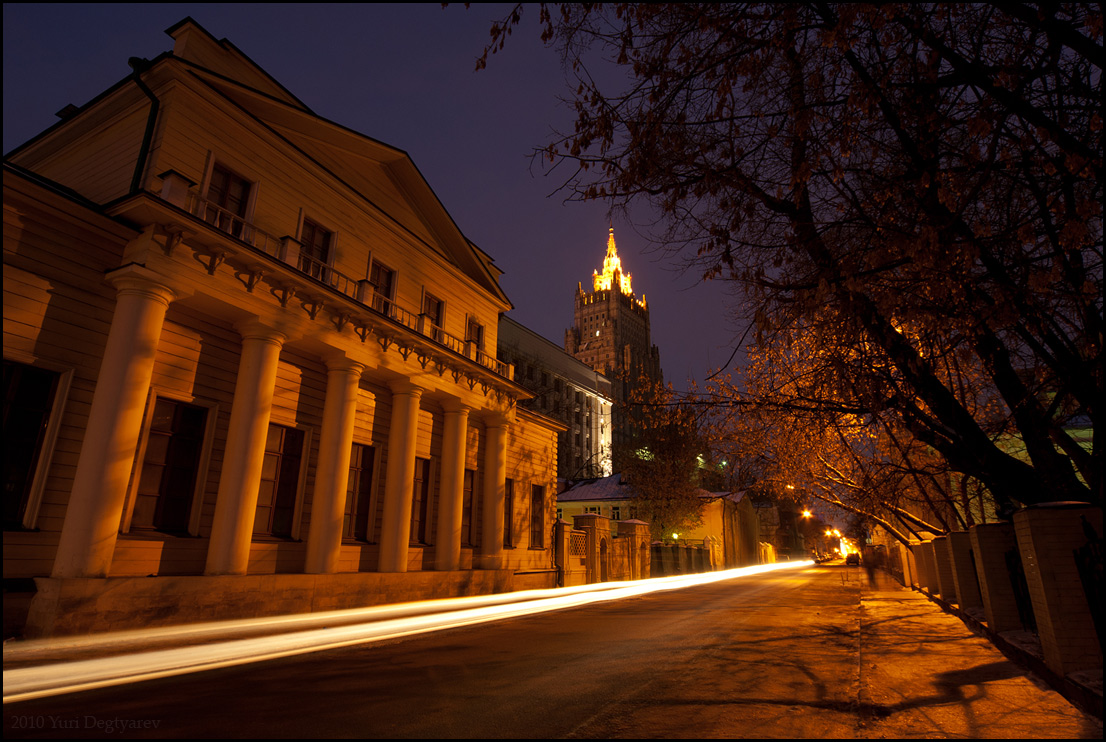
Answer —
358 626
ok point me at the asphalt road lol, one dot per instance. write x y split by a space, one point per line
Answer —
794 654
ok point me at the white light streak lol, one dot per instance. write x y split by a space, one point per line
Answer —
309 633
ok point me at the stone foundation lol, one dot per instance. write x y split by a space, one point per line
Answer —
74 606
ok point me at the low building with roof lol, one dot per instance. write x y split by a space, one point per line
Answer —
729 528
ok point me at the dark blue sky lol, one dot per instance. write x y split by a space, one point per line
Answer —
403 75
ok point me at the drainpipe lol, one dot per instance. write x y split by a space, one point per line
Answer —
140 65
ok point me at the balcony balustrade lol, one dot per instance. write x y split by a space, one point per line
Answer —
234 225
336 280
357 290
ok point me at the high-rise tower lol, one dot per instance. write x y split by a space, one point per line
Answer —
611 334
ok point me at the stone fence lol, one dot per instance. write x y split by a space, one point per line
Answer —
590 551
1042 573
680 559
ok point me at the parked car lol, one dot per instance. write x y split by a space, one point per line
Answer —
852 559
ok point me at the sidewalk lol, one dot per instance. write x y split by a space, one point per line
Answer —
925 664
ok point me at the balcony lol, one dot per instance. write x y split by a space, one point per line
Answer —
286 250
234 225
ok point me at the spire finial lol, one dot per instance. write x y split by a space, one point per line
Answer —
612 264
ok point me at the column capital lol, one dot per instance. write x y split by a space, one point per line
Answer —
137 279
455 405
253 329
495 419
404 386
340 362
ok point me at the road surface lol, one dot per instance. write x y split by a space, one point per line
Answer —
798 653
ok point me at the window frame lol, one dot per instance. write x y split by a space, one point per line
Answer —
429 297
369 516
390 296
38 477
251 199
472 322
202 469
468 508
312 263
508 513
301 486
195 505
537 516
425 503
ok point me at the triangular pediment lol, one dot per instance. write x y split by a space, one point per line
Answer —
382 177
192 43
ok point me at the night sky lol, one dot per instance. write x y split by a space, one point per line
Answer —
404 75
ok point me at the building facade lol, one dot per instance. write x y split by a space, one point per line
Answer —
729 527
611 334
241 340
567 390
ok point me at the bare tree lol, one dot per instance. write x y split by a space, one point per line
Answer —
919 186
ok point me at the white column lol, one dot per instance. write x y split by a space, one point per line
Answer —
95 507
399 479
451 491
324 537
495 483
232 530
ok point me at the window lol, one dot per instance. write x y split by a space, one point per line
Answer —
508 513
359 517
228 197
537 517
467 507
433 309
475 334
280 482
420 502
167 484
383 280
315 253
591 510
616 513
29 395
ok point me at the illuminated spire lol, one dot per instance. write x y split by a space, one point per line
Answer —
612 264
